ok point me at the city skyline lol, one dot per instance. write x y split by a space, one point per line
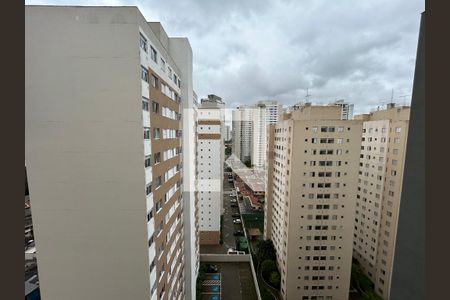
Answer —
359 53
126 151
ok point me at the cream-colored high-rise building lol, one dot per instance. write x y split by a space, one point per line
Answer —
380 180
264 113
210 158
313 156
110 158
242 119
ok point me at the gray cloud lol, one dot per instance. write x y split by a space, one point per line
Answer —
259 49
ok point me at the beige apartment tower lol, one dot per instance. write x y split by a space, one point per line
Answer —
105 94
210 157
313 155
380 180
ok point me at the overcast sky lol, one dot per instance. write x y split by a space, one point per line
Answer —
251 50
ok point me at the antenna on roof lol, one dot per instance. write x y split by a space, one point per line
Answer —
392 96
307 95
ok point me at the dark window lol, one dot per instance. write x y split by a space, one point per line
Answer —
155 107
157 158
148 189
144 74
148 161
142 42
144 104
153 54
146 133
154 81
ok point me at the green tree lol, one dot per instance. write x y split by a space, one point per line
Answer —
265 250
275 279
267 267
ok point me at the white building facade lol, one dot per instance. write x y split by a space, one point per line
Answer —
242 132
264 113
210 158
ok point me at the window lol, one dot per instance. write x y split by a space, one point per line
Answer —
159 206
155 107
144 74
153 54
169 70
175 78
314 129
156 133
150 243
144 104
397 140
147 161
158 182
142 42
154 81
146 133
163 65
157 157
339 141
398 129
148 189
395 151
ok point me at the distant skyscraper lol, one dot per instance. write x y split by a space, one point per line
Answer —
264 113
105 91
242 132
380 180
346 109
310 210
210 167
227 133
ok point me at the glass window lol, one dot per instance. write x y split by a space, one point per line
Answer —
153 54
142 42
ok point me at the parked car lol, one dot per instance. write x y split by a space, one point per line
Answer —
234 204
238 232
232 200
236 215
237 221
211 268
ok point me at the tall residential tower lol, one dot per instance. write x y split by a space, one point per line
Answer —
242 132
211 152
264 113
380 181
106 155
313 156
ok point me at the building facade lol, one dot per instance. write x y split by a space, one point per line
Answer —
105 154
242 120
314 159
227 133
380 180
211 152
346 109
264 113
